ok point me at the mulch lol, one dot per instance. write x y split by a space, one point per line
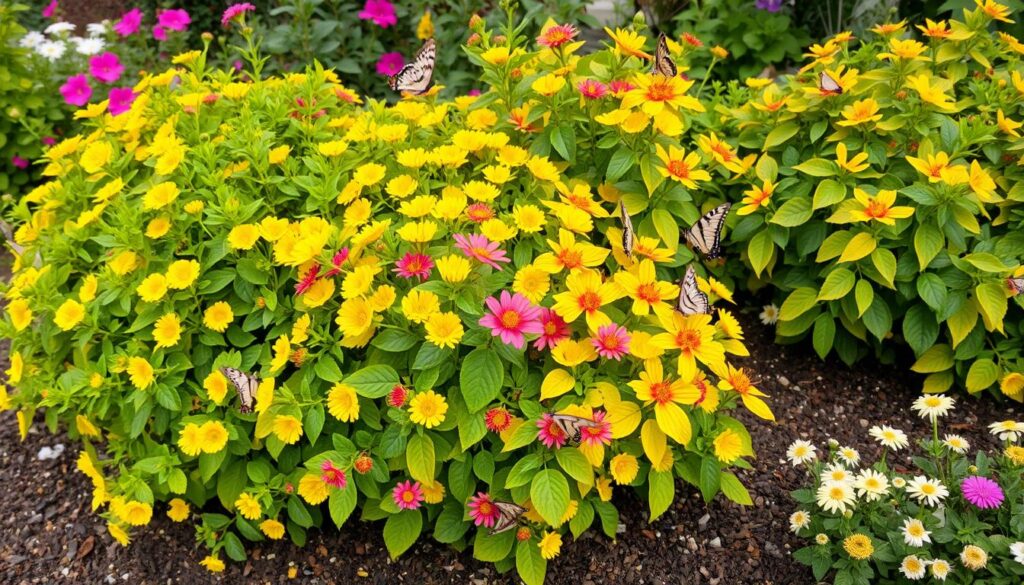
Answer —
49 535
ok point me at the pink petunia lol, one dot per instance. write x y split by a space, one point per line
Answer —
381 12
482 510
332 475
129 23
121 99
611 341
176 19
592 89
50 9
234 11
414 266
76 90
478 247
18 162
106 67
599 433
553 329
159 33
549 433
511 317
408 495
390 64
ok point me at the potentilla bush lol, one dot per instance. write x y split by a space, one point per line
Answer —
431 318
952 517
884 205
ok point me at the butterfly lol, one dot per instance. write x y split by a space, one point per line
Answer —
508 517
1016 285
245 384
705 235
572 426
691 300
628 235
663 63
829 86
414 78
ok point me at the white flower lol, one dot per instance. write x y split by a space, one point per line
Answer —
912 567
956 444
90 46
59 27
31 40
835 496
821 539
889 437
97 29
940 569
933 406
800 452
871 485
837 473
914 533
849 456
1017 550
930 491
799 520
51 50
1007 430
899 482
974 557
769 314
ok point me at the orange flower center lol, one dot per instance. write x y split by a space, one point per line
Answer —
740 382
482 252
688 340
648 292
610 342
485 508
407 496
590 301
722 151
550 328
571 258
661 392
660 91
936 170
510 319
678 168
876 209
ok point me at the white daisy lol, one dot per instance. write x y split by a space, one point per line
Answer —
1017 550
31 40
912 567
974 557
59 27
821 539
97 29
871 485
932 406
956 444
930 491
1007 430
914 533
835 496
90 46
51 50
799 520
769 314
837 473
940 569
899 482
849 455
800 452
889 437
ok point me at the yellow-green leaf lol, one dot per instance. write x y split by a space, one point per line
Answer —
983 373
556 383
938 382
837 284
817 167
864 296
992 302
833 246
936 359
885 263
780 134
625 417
962 322
797 303
860 246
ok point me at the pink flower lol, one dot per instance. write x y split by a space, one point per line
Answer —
620 86
390 64
50 140
982 492
336 261
473 92
21 163
511 317
176 20
50 9
558 35
332 475
598 434
414 266
611 341
553 329
592 89
159 33
479 212
397 396
237 65
121 99
408 495
307 280
381 12
482 510
234 11
129 23
550 433
76 90
478 247
106 67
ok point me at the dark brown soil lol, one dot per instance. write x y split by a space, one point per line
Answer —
48 534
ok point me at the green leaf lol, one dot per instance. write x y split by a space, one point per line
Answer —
938 358
401 531
983 373
824 334
420 459
522 472
573 462
230 483
837 284
760 250
395 340
860 246
797 303
532 567
885 262
795 212
878 318
817 167
525 434
780 134
767 169
992 302
829 192
864 295
493 548
480 378
661 491
667 228
734 490
313 423
920 328
928 242
374 381
932 290
327 369
549 493
450 527
341 504
233 546
710 478
987 262
622 160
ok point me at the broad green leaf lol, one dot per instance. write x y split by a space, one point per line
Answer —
710 478
860 246
817 167
878 318
780 134
420 459
493 548
573 462
864 295
480 378
991 299
932 290
797 303
401 530
661 491
734 490
450 527
837 284
936 359
928 242
885 262
531 567
983 373
962 322
341 504
823 335
833 245
829 192
794 212
667 228
760 250
373 381
549 492
987 262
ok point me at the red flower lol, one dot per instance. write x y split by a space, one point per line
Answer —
497 419
307 280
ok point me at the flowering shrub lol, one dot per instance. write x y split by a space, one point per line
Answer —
952 517
429 314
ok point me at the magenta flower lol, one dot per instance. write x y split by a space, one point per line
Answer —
511 317
21 163
336 261
234 11
381 12
129 23
478 247
473 92
307 280
620 86
237 65
106 67
121 99
592 89
408 495
50 140
482 510
982 492
159 33
390 64
553 329
414 266
50 9
600 433
557 35
550 433
332 476
176 20
76 90
611 341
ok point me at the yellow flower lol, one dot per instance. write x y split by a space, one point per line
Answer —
264 395
167 330
17 368
313 489
160 195
213 436
550 545
178 510
418 306
854 165
332 148
756 198
653 93
288 429
190 440
481 119
736 380
270 228
935 30
693 337
218 316
118 533
355 317
418 232
858 546
20 313
628 43
528 218
570 255
932 94
212 564
624 468
889 27
69 314
343 403
532 282
427 409
720 151
496 55
273 529
994 10
453 268
216 386
728 446
586 294
124 262
719 52
401 186
140 372
933 166
860 112
542 168
433 493
278 155
666 395
905 50
369 174
96 156
157 227
1015 453
282 351
244 236
248 506
1007 125
182 273
680 166
194 207
879 208
548 85
444 329
642 285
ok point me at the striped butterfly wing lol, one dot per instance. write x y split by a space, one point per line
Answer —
508 517
415 77
705 235
663 63
829 86
245 385
628 235
1016 285
572 426
691 300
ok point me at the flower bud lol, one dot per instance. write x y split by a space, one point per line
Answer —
363 464
523 534
500 39
207 36
473 40
398 396
639 19
475 22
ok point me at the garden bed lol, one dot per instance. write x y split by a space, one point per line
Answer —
49 535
